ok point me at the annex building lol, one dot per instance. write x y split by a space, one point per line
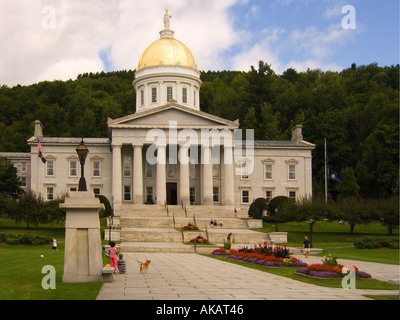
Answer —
169 151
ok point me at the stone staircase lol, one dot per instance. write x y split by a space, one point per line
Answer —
153 228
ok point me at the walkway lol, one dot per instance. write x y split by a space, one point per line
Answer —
189 276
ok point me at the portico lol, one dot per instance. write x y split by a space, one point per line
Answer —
166 162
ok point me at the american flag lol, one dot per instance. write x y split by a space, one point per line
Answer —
40 148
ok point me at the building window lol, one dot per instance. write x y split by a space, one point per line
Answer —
50 168
292 194
245 196
184 95
153 94
50 193
215 170
192 171
149 195
127 193
141 97
72 169
73 189
23 181
149 170
215 194
169 93
268 195
292 172
268 172
127 167
96 169
170 170
192 195
97 191
23 166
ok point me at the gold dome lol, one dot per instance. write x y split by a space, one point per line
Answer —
167 51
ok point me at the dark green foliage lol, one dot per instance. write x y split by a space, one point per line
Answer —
369 242
107 212
257 208
10 184
23 238
356 110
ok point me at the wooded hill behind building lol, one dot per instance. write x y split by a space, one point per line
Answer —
356 110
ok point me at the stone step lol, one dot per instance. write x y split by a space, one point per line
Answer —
165 222
170 235
156 247
214 212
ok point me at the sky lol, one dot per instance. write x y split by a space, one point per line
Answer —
59 39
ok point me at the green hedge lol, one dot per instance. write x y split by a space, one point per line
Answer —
369 242
23 238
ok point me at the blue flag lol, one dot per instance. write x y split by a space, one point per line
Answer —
333 175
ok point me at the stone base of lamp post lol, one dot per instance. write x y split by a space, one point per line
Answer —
82 257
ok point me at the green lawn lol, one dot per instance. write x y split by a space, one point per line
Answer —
337 240
21 267
21 275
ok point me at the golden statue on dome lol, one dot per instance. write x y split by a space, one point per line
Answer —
167 16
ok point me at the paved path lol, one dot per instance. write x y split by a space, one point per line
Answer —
188 276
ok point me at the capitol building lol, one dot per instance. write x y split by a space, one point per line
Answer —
169 151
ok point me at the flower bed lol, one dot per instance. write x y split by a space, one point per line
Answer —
321 271
260 259
199 239
190 228
223 252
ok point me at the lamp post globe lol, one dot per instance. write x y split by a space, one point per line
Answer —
82 152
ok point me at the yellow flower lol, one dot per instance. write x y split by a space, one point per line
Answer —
329 254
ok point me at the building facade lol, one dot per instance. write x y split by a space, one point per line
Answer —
169 151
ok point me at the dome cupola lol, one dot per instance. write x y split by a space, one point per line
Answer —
167 71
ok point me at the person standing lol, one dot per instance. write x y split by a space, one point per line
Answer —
306 246
55 245
113 256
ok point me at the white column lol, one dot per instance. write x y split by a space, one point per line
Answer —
116 175
137 175
228 177
184 192
161 179
207 176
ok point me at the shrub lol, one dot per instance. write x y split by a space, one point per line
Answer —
23 238
369 242
257 208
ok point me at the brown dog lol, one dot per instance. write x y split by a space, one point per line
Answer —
144 266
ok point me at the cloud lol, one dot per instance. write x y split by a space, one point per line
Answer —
92 35
311 48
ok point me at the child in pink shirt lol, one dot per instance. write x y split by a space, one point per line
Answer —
113 257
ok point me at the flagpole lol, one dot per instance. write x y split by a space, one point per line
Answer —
326 170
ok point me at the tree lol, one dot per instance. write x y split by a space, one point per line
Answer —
257 208
348 186
354 210
29 209
387 212
10 184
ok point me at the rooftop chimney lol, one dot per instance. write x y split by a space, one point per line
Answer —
38 129
297 133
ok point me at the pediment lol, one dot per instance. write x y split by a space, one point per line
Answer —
160 117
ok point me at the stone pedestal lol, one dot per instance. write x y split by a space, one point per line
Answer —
82 258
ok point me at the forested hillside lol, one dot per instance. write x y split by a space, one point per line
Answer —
356 110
